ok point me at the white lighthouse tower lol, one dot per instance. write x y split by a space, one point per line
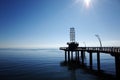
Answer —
72 44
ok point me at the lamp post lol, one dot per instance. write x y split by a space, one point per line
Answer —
99 39
84 44
98 53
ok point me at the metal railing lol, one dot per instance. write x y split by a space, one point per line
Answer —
100 49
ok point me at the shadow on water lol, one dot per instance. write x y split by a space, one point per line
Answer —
75 65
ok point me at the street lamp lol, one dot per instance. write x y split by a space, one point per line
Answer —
99 39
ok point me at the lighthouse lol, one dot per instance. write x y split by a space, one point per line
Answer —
72 45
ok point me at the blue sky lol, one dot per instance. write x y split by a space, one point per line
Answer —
46 23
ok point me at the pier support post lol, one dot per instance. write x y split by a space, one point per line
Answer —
78 55
68 55
98 61
82 56
71 55
65 55
90 57
117 64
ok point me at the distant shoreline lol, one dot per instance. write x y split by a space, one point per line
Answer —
28 48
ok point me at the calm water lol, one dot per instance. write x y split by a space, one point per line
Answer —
44 64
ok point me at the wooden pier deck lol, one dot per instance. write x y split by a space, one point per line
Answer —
113 51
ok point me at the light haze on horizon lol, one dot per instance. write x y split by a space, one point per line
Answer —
46 23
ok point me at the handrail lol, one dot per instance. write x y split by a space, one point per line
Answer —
101 49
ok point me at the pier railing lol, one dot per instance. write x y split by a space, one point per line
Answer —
95 49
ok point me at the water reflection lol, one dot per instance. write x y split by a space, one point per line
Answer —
75 65
72 66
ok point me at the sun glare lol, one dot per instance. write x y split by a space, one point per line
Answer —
87 3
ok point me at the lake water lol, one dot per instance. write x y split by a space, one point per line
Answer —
45 64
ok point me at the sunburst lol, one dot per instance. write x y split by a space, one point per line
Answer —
87 3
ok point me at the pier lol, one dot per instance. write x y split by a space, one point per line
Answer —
79 53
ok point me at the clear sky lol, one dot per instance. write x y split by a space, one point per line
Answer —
46 23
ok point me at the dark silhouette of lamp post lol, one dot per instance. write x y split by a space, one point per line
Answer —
98 37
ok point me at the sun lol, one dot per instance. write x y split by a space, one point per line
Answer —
87 3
